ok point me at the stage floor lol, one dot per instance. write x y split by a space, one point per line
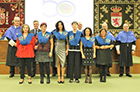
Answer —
113 84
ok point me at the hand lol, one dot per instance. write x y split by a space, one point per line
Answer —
50 54
83 56
94 56
133 52
66 52
118 52
15 44
35 47
102 47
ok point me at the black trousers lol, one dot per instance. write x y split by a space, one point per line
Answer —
103 70
23 62
122 70
12 70
108 72
74 64
41 68
34 67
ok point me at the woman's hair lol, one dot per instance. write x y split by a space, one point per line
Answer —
101 31
86 29
63 28
23 27
43 24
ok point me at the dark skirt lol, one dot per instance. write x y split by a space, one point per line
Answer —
89 60
103 57
125 58
12 59
43 57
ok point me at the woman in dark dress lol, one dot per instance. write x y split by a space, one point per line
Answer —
88 51
44 51
104 56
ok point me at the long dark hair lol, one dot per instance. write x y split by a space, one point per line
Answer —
57 29
90 31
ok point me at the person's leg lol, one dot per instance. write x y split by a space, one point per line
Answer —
108 72
101 72
22 69
121 71
77 64
63 72
41 68
128 71
105 72
34 67
28 60
70 65
86 74
12 71
58 70
90 74
47 71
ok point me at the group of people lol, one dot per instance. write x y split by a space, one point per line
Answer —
77 47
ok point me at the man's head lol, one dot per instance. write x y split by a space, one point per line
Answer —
16 21
126 27
80 26
36 24
105 26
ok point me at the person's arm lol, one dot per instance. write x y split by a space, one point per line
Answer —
67 46
36 41
81 49
33 39
51 49
94 49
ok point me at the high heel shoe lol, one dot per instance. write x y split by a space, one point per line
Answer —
29 82
86 80
90 81
62 81
21 82
59 80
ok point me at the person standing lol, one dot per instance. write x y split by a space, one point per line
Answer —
44 51
88 52
35 31
61 49
105 26
104 56
11 35
74 54
25 51
125 46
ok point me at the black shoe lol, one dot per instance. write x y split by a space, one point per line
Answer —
62 82
21 82
44 75
29 82
48 80
12 75
77 81
71 80
108 75
41 81
53 75
128 75
33 75
120 75
101 79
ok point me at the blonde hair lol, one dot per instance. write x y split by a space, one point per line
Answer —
23 27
